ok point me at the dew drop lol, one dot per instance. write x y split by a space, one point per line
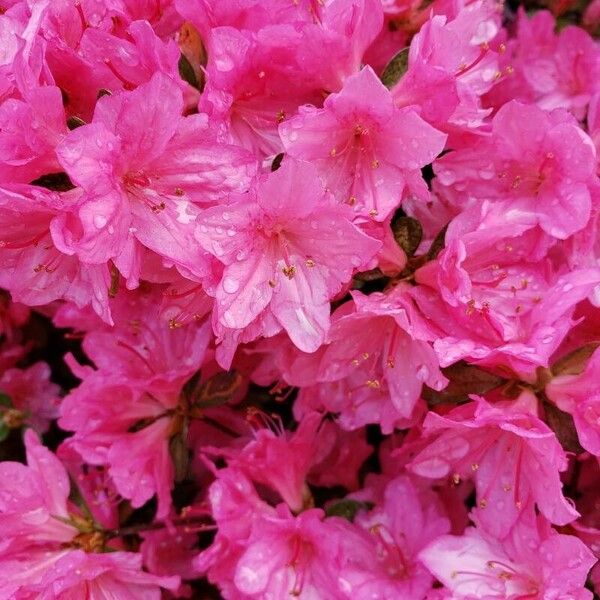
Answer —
100 221
230 285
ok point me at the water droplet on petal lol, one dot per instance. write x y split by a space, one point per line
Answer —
100 221
231 285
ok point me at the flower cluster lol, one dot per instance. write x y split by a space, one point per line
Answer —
299 298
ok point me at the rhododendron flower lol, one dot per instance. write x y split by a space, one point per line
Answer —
533 562
397 532
34 399
513 457
142 174
452 57
286 248
304 297
34 269
44 554
552 70
367 151
144 364
541 162
495 294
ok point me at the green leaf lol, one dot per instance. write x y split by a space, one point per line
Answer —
395 69
180 454
464 379
186 71
217 390
574 363
408 233
5 400
438 244
277 162
347 508
563 426
4 431
74 123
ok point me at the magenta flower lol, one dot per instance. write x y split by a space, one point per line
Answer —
287 248
533 562
513 457
368 152
142 172
43 553
534 161
579 395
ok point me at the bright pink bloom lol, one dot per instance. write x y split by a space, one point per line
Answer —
403 521
496 293
32 267
579 395
375 364
287 249
553 70
145 364
300 556
43 554
142 167
32 393
450 67
533 562
533 161
339 457
279 459
368 152
513 457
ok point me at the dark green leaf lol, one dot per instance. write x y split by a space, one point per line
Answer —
186 71
438 244
463 379
191 388
4 431
395 69
408 233
218 390
574 362
563 426
347 509
180 453
74 123
277 162
5 400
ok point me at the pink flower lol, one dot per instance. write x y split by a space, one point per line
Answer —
368 152
32 394
283 259
299 556
403 521
339 457
554 70
579 395
513 457
533 161
533 562
450 66
145 364
395 353
142 167
44 554
33 267
495 293
278 459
